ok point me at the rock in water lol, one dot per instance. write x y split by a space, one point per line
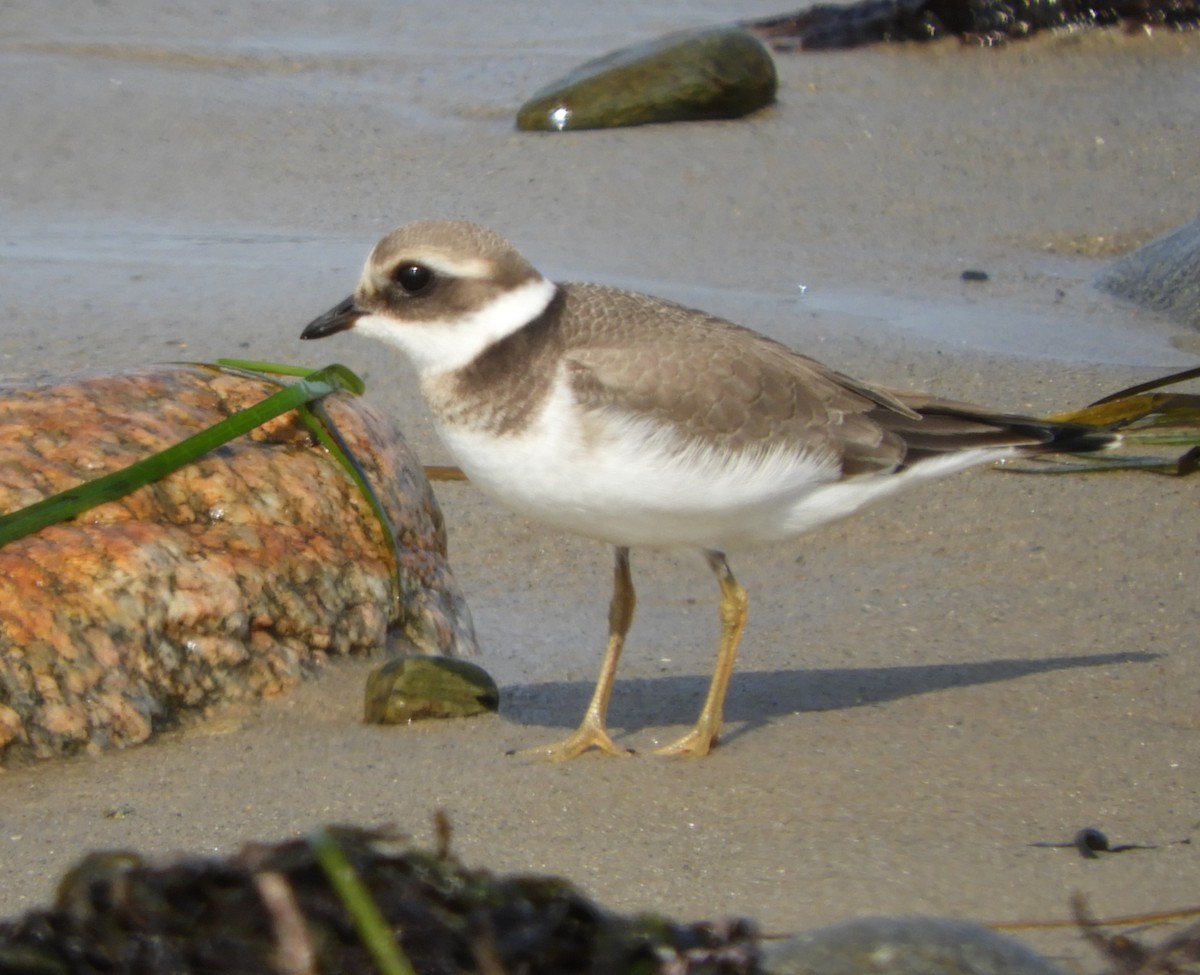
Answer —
420 687
1163 276
228 579
712 73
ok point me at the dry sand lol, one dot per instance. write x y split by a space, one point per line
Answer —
924 691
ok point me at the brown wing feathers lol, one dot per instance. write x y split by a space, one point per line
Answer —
713 386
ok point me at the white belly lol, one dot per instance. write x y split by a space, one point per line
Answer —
627 481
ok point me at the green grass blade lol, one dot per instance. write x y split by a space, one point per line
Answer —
270 368
1180 466
1142 416
320 424
1147 387
74 501
348 380
370 924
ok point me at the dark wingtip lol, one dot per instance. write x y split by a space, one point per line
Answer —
337 319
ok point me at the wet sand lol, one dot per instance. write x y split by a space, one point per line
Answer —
923 692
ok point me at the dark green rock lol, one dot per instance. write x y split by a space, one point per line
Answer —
420 687
1163 276
712 73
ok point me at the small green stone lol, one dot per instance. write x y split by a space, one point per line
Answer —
712 73
420 687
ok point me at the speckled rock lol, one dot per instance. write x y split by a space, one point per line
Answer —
419 688
711 73
229 579
1163 276
902 946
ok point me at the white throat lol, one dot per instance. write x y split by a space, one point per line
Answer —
443 345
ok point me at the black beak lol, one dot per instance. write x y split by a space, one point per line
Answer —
335 320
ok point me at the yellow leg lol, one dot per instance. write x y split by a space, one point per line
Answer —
734 604
592 732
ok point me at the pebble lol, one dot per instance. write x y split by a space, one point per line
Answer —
418 688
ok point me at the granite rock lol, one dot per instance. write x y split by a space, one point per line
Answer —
229 579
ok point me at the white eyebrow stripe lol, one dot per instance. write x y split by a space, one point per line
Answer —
469 267
460 267
474 268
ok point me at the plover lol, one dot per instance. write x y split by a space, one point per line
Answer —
637 421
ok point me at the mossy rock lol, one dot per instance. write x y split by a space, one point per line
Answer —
711 73
419 688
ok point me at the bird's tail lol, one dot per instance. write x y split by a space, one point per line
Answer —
1073 438
1137 413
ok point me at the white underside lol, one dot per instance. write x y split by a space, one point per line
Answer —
628 481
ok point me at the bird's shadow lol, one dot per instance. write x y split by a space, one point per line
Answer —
756 697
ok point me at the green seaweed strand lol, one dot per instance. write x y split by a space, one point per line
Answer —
368 921
313 385
325 432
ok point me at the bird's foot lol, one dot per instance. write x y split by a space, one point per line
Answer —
696 743
586 736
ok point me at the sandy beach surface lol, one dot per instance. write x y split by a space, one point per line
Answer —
924 691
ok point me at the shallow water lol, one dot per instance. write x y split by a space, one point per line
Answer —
136 269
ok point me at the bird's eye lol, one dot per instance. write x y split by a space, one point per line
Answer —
413 278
